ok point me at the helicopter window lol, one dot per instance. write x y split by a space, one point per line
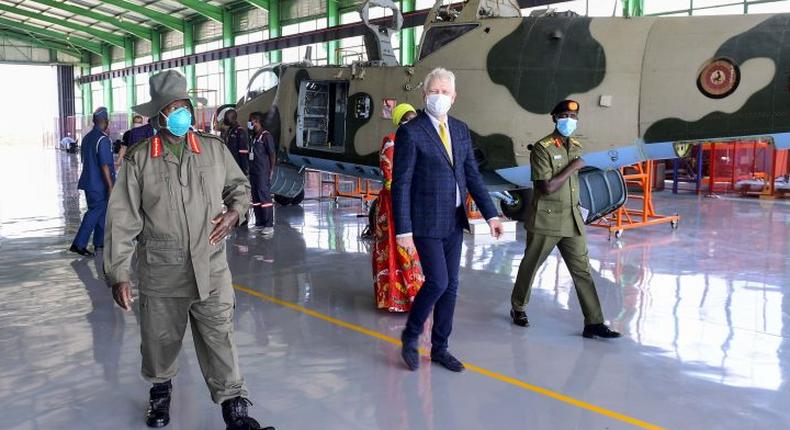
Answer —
262 83
438 37
321 119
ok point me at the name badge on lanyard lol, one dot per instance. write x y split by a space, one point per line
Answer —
252 149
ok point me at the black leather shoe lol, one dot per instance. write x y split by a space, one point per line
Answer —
448 361
158 414
519 318
599 330
234 412
81 251
410 353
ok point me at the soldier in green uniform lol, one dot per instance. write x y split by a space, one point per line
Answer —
554 219
167 206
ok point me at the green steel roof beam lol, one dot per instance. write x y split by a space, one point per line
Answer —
262 4
136 30
76 41
102 35
41 43
634 8
211 12
159 17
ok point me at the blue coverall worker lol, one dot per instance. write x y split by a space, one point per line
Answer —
262 159
237 140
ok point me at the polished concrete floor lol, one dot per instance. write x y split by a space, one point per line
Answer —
704 310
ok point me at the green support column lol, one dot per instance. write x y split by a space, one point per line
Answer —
189 49
407 36
228 64
106 63
275 29
633 7
156 45
332 20
87 95
128 57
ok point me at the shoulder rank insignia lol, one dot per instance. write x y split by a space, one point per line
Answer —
156 147
194 142
557 142
576 142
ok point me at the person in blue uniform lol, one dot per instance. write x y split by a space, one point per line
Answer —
96 181
237 140
133 136
261 162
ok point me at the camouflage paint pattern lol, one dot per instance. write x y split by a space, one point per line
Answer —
635 79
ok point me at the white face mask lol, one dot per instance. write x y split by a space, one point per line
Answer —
438 104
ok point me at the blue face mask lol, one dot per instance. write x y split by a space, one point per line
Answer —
566 126
179 122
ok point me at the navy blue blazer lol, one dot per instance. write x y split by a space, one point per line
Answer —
424 180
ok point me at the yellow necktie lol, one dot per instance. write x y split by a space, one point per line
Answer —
445 140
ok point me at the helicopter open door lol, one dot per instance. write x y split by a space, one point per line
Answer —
321 115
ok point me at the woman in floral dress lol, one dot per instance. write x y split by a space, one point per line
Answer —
397 275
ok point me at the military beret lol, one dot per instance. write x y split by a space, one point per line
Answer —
565 106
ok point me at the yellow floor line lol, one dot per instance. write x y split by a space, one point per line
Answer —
471 367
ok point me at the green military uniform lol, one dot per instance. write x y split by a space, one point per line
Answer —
165 198
555 220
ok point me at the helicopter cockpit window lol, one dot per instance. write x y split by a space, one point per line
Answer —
262 83
437 37
321 119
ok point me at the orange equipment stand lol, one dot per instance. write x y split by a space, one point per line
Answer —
749 167
362 190
639 175
780 165
471 209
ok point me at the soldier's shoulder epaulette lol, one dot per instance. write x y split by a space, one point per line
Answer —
576 142
546 141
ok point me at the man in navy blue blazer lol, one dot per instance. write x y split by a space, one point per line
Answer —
434 168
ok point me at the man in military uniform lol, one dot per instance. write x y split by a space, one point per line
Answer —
554 219
169 197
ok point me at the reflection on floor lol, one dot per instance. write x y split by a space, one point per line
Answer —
703 308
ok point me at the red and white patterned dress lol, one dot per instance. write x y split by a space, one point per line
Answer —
397 273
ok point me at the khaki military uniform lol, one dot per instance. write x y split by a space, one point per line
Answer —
555 220
162 207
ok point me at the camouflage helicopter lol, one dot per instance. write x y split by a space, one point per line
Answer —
649 88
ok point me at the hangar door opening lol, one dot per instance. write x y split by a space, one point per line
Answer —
321 116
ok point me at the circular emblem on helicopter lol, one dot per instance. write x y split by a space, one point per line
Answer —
719 78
